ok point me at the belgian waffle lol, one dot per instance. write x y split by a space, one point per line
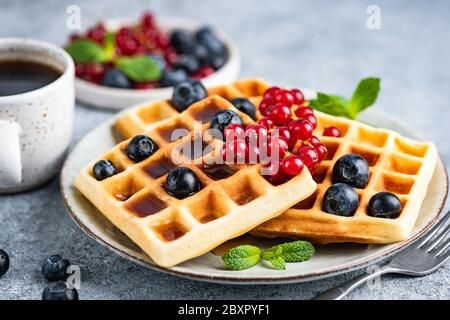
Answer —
397 165
233 200
147 115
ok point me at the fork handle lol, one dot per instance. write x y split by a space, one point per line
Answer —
341 291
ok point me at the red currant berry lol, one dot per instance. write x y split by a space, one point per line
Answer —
303 111
312 119
281 114
275 174
276 145
314 141
234 131
331 132
282 133
266 122
253 154
79 70
205 71
299 98
234 150
284 96
94 72
124 32
256 132
309 155
148 20
127 45
145 85
270 93
300 129
266 107
292 165
322 152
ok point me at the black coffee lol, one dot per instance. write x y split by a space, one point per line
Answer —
22 76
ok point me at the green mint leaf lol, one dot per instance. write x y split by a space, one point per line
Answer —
278 263
139 68
110 45
242 257
87 51
334 105
297 251
365 95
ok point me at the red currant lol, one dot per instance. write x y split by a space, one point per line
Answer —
312 119
281 114
270 93
274 174
94 72
303 111
300 129
234 131
79 70
127 45
253 154
236 150
314 141
292 165
331 132
322 152
145 85
309 155
266 122
266 107
284 96
276 145
282 133
256 132
299 98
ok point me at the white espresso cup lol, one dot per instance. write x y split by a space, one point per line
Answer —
35 126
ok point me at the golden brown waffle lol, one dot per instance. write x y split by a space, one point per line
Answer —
147 115
397 165
233 199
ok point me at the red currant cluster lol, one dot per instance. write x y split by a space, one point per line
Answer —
288 112
142 38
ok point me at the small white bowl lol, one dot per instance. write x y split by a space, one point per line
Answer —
114 98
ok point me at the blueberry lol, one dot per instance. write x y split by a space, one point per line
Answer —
218 62
203 32
188 63
186 93
351 169
104 169
116 79
140 148
159 60
4 262
340 199
202 54
59 291
182 41
54 268
385 205
224 118
244 105
211 42
182 182
172 78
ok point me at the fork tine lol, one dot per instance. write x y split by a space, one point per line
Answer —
442 248
443 258
441 236
435 229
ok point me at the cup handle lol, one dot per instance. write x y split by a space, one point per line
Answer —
10 158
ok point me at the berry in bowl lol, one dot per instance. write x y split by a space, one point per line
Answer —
120 63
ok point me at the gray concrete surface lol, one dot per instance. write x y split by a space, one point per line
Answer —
318 44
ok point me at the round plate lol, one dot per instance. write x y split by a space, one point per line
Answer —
115 98
329 260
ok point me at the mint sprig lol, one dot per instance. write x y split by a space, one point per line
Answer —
88 51
364 96
297 251
242 257
139 68
246 256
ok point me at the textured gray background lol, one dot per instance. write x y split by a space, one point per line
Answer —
318 44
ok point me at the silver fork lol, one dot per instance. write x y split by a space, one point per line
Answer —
422 257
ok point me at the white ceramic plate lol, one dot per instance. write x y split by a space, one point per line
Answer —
115 98
329 260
